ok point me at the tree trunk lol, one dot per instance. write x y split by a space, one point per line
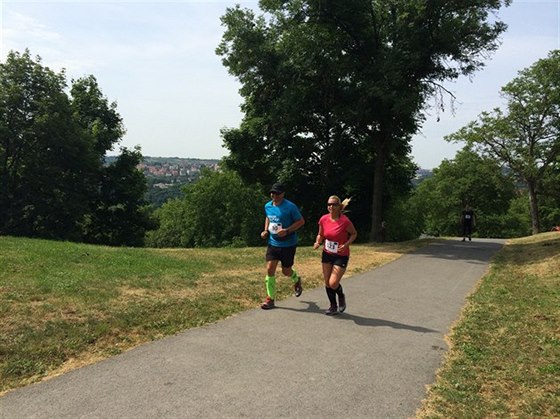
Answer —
534 207
378 186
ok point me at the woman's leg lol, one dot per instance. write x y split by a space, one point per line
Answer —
334 282
335 276
327 270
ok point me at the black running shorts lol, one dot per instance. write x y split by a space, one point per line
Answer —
337 260
285 255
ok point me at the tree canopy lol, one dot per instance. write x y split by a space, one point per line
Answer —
526 136
333 91
53 180
468 179
217 210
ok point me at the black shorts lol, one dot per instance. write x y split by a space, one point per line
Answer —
285 255
337 260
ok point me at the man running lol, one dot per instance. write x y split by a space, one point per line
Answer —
280 224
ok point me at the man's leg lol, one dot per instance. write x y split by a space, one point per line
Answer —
270 279
288 256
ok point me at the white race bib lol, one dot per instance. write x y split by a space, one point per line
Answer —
274 228
331 247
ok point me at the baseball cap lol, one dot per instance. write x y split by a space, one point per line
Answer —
278 188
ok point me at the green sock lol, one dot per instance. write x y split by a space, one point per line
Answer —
270 286
294 277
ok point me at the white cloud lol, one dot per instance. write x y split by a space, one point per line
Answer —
18 24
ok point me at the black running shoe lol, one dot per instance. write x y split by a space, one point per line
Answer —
332 311
342 303
298 288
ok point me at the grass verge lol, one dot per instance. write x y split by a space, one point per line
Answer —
65 305
504 357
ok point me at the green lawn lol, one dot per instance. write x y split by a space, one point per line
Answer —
505 350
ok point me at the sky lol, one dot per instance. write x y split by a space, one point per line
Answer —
157 61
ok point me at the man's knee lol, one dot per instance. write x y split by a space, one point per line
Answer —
287 271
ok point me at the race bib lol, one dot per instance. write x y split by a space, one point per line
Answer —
274 228
467 217
331 247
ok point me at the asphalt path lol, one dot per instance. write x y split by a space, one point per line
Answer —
375 360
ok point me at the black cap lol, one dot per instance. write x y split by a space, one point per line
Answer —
278 188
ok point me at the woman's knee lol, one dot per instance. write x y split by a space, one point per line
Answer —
333 282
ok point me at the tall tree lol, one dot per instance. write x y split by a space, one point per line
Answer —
330 86
40 151
98 118
549 204
118 212
116 191
53 178
526 136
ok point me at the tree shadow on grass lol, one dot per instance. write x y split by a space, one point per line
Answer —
313 307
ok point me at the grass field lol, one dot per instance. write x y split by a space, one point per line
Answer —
504 359
65 305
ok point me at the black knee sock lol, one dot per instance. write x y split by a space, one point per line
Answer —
339 290
332 296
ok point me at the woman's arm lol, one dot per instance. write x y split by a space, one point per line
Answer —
319 239
352 234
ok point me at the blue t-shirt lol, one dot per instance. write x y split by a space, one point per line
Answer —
279 217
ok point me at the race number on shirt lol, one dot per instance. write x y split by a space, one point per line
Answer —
331 246
274 228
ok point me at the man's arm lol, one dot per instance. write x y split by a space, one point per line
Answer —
264 233
296 225
292 228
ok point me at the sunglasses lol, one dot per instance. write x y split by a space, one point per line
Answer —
333 204
276 193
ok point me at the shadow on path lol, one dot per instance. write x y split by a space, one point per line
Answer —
478 251
313 307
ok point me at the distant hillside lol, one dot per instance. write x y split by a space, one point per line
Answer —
166 176
421 175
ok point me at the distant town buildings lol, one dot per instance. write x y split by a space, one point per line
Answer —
173 169
166 176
